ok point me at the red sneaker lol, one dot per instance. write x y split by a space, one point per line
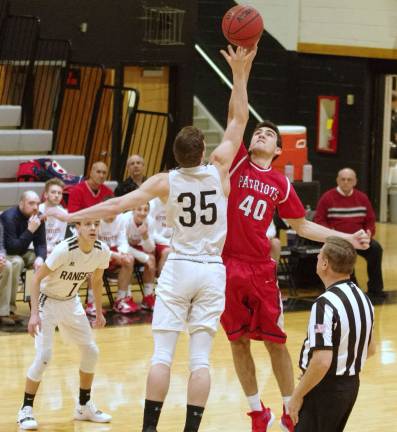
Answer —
122 306
134 306
90 309
261 420
148 302
286 424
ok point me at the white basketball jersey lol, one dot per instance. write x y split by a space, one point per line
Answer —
71 267
54 228
196 210
113 233
157 221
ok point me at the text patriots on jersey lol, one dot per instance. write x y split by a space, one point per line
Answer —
246 183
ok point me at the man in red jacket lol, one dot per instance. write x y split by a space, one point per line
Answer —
347 209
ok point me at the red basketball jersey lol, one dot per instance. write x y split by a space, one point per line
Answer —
254 195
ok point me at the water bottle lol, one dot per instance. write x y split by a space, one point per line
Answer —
289 171
307 172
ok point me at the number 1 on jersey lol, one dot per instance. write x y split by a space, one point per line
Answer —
247 205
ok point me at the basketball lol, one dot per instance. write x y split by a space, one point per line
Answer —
242 25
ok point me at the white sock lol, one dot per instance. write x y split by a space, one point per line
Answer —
254 402
147 289
286 400
90 298
121 294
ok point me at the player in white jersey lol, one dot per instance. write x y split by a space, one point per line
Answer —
142 248
112 232
190 292
55 302
55 229
161 232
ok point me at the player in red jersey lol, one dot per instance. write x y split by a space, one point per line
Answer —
253 303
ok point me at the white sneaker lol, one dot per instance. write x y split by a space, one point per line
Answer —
26 418
89 412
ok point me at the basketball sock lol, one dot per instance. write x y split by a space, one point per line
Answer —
90 298
286 400
254 402
151 414
121 294
85 396
148 289
28 399
194 414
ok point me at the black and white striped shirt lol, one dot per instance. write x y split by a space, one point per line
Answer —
341 320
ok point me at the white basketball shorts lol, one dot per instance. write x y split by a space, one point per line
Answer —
70 318
190 295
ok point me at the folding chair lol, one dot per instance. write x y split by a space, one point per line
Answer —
110 279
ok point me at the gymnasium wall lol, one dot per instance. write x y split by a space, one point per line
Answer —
356 27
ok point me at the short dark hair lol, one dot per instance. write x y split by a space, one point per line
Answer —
189 146
341 255
270 125
54 182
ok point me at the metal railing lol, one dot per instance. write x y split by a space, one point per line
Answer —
50 66
18 46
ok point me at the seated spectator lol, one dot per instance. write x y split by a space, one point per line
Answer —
55 229
112 232
23 225
91 191
160 232
5 284
347 209
142 247
86 194
275 245
135 167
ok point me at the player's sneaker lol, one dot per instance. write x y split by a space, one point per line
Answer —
122 306
134 306
26 418
286 424
90 309
261 420
148 302
89 412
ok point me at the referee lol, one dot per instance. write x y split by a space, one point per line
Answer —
339 341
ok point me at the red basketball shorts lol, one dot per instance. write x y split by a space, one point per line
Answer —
253 301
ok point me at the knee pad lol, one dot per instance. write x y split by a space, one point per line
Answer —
39 364
200 348
164 347
89 357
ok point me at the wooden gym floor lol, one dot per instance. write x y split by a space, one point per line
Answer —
119 386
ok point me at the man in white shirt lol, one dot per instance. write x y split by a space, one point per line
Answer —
142 247
112 232
55 229
55 303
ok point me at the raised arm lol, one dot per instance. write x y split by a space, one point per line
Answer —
156 186
240 62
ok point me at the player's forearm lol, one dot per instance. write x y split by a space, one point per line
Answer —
239 97
34 297
97 292
103 210
315 232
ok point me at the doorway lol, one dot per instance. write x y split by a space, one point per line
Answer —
388 185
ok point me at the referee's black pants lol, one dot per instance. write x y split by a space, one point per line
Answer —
373 256
327 406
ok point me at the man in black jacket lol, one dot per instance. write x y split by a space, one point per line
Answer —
135 166
23 225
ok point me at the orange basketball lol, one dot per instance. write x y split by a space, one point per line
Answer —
242 25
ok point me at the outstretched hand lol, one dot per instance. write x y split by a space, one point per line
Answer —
240 59
361 239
